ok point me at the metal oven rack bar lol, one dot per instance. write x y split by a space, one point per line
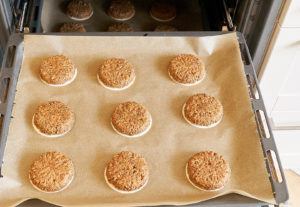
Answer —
9 77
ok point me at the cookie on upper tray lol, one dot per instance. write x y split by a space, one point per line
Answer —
80 10
121 10
163 10
72 27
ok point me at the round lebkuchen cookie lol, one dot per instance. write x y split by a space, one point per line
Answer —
72 27
186 69
80 10
121 10
131 119
208 171
51 172
116 74
120 27
57 70
127 172
203 111
163 10
53 119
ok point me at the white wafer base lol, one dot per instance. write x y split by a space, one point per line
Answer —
188 177
199 126
162 20
123 19
47 135
51 191
136 135
188 84
81 19
115 89
122 191
61 85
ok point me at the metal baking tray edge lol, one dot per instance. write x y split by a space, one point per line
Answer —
12 64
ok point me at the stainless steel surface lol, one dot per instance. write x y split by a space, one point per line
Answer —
235 10
32 21
25 15
20 24
6 27
228 17
28 16
13 11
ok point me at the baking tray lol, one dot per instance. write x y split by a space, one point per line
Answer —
189 16
12 64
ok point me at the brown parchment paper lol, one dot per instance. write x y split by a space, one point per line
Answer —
167 146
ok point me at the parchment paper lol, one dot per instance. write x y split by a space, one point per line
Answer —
167 146
189 16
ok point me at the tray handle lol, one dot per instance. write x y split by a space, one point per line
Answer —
277 178
10 69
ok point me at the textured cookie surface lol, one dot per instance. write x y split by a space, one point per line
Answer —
51 172
131 118
208 170
116 73
57 70
121 9
120 27
186 69
163 10
53 118
72 27
165 28
203 110
79 9
127 171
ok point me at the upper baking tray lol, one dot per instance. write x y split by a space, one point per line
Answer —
189 16
11 68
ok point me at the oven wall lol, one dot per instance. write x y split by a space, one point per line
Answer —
5 25
256 19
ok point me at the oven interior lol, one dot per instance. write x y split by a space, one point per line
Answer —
255 19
